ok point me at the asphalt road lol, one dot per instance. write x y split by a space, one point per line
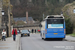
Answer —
34 42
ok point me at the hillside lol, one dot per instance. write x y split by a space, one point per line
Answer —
36 8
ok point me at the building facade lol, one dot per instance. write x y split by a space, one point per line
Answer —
24 19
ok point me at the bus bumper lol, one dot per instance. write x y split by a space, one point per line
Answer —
55 36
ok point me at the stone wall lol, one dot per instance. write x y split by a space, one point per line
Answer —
27 28
0 17
0 12
0 33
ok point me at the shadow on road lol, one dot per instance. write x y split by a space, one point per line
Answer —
25 36
56 39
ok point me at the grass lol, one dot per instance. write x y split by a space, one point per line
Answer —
73 34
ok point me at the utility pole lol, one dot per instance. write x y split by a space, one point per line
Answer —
46 2
43 16
9 18
27 17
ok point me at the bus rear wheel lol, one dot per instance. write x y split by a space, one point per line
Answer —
45 39
42 38
61 39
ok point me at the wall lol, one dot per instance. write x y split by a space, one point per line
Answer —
0 17
26 28
0 12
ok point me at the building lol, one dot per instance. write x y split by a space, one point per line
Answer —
30 20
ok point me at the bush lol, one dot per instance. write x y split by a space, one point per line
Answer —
69 26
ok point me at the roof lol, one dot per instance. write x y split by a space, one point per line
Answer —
54 16
23 19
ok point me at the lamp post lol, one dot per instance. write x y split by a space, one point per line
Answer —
2 12
2 17
5 23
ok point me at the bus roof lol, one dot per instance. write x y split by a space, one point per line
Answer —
54 16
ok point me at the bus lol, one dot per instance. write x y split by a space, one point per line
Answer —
53 27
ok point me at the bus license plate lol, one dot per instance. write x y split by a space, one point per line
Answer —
55 33
25 34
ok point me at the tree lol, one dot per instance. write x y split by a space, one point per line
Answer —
68 13
48 7
5 6
69 26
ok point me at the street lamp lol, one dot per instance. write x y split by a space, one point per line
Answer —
2 12
5 23
2 17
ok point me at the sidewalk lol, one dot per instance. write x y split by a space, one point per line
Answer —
70 38
9 44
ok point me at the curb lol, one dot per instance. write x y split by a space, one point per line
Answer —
19 43
70 40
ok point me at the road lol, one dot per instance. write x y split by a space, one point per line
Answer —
34 42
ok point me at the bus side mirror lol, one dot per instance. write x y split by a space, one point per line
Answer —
40 25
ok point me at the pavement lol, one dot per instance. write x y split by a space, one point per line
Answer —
9 44
0 36
70 38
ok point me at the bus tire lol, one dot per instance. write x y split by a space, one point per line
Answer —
61 39
42 38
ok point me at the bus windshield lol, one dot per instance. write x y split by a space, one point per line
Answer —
55 23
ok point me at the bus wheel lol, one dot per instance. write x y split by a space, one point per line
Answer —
61 39
42 38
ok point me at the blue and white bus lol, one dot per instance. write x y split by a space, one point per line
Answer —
53 27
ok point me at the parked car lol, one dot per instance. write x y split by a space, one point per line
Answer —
25 33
